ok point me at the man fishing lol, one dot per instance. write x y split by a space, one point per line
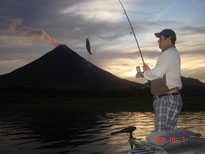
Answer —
165 80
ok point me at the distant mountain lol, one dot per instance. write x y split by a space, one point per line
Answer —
63 68
190 82
186 83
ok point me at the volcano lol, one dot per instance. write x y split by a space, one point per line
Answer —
62 68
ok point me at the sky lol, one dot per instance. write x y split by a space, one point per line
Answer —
31 28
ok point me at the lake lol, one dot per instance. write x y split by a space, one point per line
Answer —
81 132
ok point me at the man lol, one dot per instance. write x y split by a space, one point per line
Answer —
165 80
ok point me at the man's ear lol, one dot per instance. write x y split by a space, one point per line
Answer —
169 40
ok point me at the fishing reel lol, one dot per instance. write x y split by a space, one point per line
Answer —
139 70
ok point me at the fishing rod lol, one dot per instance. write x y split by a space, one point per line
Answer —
133 32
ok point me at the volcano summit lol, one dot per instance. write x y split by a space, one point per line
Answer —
62 68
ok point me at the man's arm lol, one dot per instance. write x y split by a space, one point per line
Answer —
164 63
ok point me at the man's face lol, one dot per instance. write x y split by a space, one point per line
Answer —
163 43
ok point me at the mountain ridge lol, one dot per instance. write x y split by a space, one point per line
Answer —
62 68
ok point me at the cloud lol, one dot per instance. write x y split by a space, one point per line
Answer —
196 52
8 65
101 20
114 49
11 60
158 16
16 27
95 10
189 30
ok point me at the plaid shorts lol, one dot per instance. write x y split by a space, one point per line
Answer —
167 109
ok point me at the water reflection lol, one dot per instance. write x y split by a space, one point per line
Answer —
80 132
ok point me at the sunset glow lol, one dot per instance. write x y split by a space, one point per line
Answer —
27 34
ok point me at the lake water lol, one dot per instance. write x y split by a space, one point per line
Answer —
80 133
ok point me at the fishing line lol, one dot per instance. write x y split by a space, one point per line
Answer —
133 32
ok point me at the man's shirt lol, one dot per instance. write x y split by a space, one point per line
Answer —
167 64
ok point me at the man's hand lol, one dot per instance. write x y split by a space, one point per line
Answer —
146 67
138 75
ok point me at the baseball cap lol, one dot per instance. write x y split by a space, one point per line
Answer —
167 33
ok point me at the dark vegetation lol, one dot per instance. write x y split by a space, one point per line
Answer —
96 101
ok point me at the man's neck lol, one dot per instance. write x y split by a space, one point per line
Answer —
171 46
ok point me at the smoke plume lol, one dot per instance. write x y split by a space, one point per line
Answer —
15 26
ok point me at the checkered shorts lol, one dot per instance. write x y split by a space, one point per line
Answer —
167 109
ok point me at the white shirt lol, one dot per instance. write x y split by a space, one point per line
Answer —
168 64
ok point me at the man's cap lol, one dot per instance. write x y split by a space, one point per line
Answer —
166 33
